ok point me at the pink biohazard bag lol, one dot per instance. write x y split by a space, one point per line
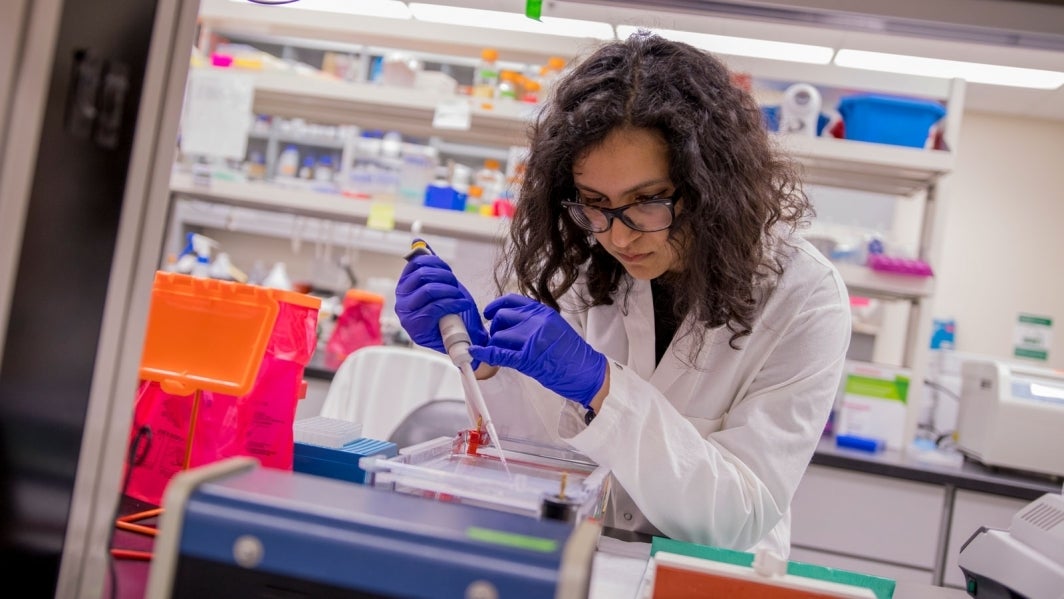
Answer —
196 403
359 325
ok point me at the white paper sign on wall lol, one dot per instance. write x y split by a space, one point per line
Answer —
1034 335
217 114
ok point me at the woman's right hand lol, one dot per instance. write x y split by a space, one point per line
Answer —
426 292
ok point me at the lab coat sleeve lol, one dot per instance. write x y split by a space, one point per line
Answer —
731 487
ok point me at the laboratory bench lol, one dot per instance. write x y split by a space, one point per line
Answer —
902 515
936 468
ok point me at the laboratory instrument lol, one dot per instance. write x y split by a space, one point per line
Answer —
543 482
233 529
1011 416
1027 560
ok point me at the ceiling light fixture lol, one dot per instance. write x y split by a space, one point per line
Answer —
493 19
973 72
741 46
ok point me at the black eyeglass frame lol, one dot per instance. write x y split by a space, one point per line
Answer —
618 213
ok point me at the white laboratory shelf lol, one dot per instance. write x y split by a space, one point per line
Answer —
861 280
321 99
302 202
873 167
865 166
849 164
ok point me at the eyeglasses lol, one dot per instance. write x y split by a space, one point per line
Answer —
647 216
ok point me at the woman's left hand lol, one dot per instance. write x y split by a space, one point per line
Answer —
534 339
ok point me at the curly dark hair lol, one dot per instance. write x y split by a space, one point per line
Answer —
733 186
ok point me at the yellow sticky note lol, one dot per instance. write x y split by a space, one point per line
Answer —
381 216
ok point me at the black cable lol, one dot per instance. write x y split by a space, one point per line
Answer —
942 388
134 458
941 436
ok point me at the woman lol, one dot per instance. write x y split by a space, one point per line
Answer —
671 323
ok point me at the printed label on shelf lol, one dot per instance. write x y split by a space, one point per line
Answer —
381 216
453 113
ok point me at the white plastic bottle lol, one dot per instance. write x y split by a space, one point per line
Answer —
278 278
222 268
507 85
800 110
202 267
461 178
323 170
288 162
490 179
416 172
307 170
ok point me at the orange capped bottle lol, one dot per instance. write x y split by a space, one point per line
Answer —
486 75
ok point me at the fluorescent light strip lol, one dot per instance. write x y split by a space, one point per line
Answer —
741 46
934 67
390 9
492 19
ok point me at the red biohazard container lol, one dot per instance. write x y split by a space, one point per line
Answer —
221 374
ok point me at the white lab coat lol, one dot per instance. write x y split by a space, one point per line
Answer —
711 454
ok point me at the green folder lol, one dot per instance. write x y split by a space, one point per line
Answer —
882 587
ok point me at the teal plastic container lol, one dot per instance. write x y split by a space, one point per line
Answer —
888 119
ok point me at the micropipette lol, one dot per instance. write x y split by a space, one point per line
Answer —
456 341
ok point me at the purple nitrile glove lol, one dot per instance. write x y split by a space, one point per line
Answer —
535 340
426 292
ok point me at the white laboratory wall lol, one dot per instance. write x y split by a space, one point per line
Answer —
1003 233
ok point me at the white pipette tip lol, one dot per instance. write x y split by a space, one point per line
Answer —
415 228
472 393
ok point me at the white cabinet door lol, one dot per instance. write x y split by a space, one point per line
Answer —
868 517
861 566
970 511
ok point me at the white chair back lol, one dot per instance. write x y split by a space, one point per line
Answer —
379 385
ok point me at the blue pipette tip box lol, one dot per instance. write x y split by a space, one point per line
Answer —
340 463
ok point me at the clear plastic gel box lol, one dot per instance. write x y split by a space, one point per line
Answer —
538 481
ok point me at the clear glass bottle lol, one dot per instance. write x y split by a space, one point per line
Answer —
486 75
491 180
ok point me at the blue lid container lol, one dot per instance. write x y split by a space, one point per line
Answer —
447 198
889 119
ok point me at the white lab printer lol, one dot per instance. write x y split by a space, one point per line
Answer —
1012 416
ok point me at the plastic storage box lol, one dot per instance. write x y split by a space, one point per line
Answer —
889 120
537 481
